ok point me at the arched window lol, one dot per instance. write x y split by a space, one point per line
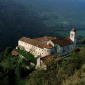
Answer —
63 49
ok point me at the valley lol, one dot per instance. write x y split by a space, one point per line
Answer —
39 18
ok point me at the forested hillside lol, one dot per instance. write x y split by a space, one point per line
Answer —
67 71
16 21
55 12
36 18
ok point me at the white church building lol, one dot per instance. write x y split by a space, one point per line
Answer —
44 46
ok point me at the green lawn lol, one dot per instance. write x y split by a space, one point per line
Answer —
28 56
67 58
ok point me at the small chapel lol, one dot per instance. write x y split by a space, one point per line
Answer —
44 46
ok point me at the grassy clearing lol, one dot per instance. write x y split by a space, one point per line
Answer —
67 58
81 33
65 33
28 56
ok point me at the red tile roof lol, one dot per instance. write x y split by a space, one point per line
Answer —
15 53
17 46
48 56
45 57
41 39
34 42
63 41
49 46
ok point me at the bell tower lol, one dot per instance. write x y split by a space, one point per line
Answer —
73 36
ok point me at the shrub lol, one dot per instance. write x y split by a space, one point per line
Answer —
75 50
7 50
83 41
83 68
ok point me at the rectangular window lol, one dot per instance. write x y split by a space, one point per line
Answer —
63 49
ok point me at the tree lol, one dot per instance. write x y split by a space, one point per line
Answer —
75 50
83 41
37 77
8 50
51 63
1 56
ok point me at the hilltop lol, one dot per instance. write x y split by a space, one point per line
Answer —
69 70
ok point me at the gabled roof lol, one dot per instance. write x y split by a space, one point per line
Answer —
48 46
63 41
45 58
50 56
14 53
41 39
34 42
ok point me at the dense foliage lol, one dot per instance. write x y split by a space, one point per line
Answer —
72 68
83 41
13 68
69 71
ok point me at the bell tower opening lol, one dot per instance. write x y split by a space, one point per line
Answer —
71 35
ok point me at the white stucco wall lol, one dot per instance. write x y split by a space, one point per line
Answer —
66 49
73 37
38 62
35 50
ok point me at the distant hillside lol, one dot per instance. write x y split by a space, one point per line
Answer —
35 18
16 21
55 12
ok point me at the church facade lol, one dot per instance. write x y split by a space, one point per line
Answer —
45 46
